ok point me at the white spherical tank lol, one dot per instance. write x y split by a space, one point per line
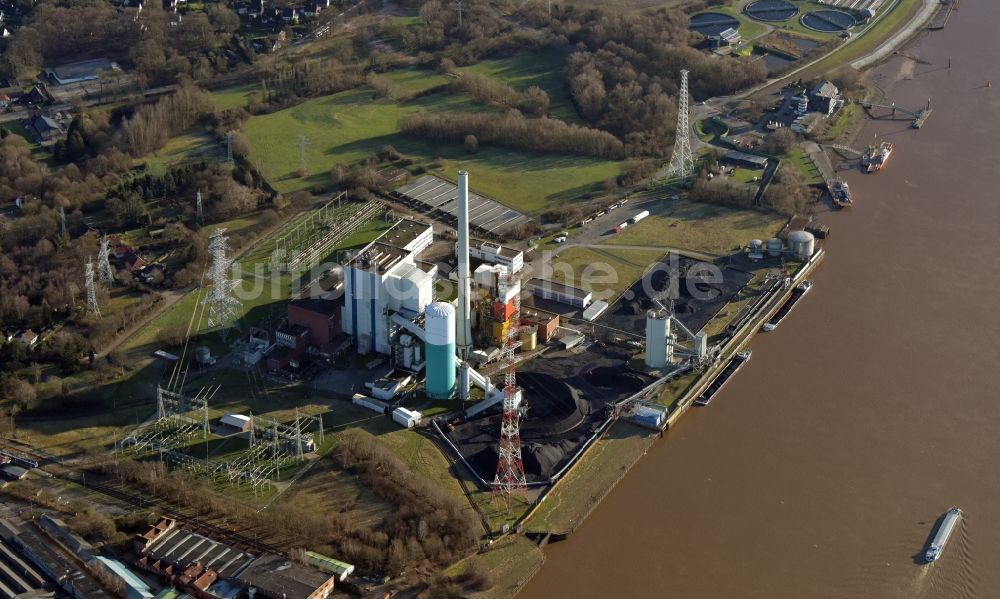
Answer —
774 246
439 335
657 334
802 243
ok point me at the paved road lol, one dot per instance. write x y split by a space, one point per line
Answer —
889 46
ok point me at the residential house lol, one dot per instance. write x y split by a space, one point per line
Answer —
43 128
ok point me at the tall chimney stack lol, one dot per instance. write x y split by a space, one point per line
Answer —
463 338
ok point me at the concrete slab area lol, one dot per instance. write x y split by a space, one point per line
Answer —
433 194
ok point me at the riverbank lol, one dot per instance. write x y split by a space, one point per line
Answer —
855 427
571 500
569 503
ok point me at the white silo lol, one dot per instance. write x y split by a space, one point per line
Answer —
439 335
802 244
774 246
657 336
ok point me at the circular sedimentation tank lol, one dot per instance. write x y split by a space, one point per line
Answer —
828 20
771 11
713 23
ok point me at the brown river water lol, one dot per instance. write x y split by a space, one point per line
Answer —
822 467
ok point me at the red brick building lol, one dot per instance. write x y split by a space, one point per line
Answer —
321 317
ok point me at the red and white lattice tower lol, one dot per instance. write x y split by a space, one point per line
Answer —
510 469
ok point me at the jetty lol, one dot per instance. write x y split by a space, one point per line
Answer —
943 14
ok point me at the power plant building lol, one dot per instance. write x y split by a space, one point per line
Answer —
387 277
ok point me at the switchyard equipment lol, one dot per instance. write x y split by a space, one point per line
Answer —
302 245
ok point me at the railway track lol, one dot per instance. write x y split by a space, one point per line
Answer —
74 474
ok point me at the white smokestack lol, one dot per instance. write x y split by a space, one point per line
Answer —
463 338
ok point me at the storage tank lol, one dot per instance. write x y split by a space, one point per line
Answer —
439 334
774 246
529 338
802 243
657 333
756 245
407 357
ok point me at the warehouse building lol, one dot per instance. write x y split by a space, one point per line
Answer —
276 577
558 292
386 278
85 70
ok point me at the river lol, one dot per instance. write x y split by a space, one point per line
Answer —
822 467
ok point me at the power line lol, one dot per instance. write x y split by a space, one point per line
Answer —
88 278
223 306
682 160
104 271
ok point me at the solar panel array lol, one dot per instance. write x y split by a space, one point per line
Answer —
439 199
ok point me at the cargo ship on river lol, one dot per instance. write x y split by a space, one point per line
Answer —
797 293
948 524
720 381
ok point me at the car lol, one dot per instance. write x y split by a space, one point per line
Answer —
561 239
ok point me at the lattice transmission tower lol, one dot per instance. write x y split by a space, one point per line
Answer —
105 273
223 306
682 160
88 282
510 468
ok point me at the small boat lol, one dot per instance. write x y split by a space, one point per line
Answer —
876 156
797 293
720 381
841 193
948 524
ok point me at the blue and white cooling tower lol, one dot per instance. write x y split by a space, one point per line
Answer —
439 335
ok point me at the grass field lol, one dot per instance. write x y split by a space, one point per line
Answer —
546 70
865 40
347 127
234 97
510 562
583 487
193 143
605 272
700 227
414 81
804 163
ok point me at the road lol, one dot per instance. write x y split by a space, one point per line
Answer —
889 46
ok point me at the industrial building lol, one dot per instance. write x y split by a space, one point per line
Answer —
384 278
550 290
321 317
825 98
494 253
276 577
84 70
115 572
744 160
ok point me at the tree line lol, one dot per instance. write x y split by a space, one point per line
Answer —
512 130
